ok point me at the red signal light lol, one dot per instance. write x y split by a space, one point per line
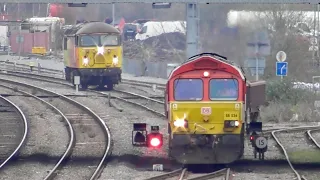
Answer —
251 138
155 140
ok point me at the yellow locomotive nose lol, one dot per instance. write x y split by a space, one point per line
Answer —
99 58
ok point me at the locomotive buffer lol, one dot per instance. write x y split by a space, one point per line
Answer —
258 140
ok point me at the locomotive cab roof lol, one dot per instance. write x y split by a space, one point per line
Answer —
207 61
90 28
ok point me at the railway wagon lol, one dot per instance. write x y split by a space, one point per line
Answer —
93 51
207 109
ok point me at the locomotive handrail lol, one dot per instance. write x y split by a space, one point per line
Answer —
213 54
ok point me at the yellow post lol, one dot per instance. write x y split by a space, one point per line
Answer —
31 64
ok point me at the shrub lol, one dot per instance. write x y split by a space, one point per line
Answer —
283 91
286 103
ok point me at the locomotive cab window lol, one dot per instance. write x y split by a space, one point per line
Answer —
188 89
89 40
224 89
110 40
99 40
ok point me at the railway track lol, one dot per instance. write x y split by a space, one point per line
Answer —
136 100
126 96
13 130
303 132
46 123
182 174
90 144
59 73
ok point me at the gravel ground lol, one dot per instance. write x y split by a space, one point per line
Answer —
46 141
11 129
301 151
58 88
140 90
262 172
90 142
128 160
145 102
57 64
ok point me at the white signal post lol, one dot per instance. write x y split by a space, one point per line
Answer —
77 82
281 57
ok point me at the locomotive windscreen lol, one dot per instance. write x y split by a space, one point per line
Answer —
224 89
188 89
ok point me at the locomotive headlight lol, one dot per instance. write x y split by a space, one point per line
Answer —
115 60
100 50
179 123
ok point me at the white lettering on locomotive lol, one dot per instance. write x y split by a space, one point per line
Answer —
206 110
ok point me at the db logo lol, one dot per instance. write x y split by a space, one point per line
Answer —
206 110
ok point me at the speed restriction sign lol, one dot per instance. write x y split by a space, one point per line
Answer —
261 142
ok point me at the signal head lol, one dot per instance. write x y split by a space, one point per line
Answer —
155 140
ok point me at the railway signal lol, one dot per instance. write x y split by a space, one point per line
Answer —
260 145
141 137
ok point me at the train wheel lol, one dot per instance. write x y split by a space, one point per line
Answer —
110 86
255 153
84 86
101 86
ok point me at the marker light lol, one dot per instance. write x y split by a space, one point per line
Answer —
115 60
206 74
85 61
100 50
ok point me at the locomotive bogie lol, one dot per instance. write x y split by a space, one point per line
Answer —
206 149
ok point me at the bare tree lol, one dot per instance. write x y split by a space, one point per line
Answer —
281 24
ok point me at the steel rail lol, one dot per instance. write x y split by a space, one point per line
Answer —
131 102
39 77
168 175
106 130
160 86
25 133
218 173
273 133
72 141
309 132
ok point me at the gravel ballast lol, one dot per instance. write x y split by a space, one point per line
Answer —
47 140
127 160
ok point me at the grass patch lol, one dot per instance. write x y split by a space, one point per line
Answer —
305 156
